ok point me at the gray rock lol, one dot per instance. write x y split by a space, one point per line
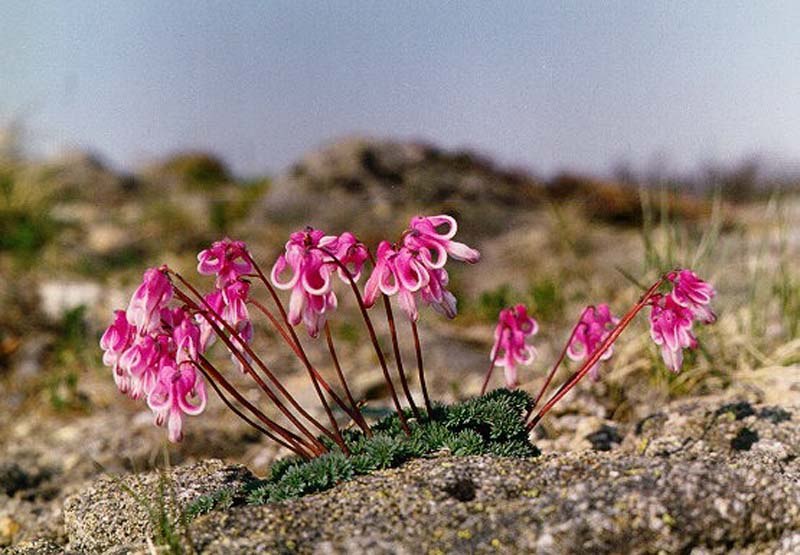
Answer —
367 178
125 511
678 483
681 481
36 547
574 503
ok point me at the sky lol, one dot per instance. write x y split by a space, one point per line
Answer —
578 85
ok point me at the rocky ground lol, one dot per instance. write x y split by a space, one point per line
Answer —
642 461
699 476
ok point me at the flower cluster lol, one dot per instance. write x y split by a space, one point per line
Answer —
593 328
150 348
311 258
416 267
158 352
230 262
513 327
672 315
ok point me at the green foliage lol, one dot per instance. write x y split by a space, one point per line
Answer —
492 302
220 499
546 299
198 170
489 425
68 356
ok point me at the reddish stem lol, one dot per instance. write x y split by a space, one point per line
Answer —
587 365
359 420
316 378
387 303
420 371
218 378
298 351
249 368
246 418
553 370
490 371
374 338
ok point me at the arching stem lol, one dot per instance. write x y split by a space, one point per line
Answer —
420 370
489 372
592 360
316 378
360 421
218 378
554 369
374 338
236 351
354 414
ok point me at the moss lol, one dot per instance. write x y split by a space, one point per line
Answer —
493 424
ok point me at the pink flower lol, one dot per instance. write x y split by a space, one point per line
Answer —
513 327
227 259
157 363
307 257
178 391
436 295
352 253
671 329
423 234
214 303
693 293
397 272
186 337
229 304
115 340
140 363
594 326
144 309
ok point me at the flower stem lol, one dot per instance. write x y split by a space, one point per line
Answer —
216 378
387 303
248 367
489 372
354 414
590 361
420 371
316 378
553 370
374 338
359 420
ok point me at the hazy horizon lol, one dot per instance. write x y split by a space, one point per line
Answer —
535 85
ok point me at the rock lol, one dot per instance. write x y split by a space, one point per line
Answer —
114 512
12 478
590 502
372 178
8 529
59 297
678 482
36 547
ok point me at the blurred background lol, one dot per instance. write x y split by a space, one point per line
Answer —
583 150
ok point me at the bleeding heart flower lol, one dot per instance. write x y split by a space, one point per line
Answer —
227 259
144 309
671 329
397 272
513 327
423 234
693 293
594 327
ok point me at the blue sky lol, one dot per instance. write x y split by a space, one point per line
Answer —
546 85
